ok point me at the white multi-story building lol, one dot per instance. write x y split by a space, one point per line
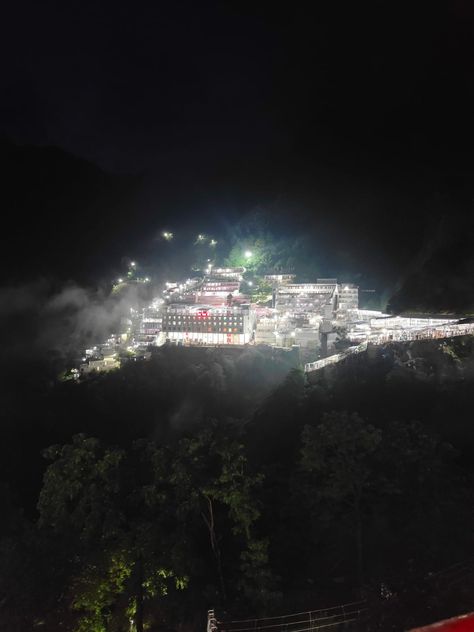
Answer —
208 325
325 298
221 286
348 297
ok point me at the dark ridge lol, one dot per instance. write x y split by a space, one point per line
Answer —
64 217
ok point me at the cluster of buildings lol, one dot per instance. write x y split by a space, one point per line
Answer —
320 318
219 310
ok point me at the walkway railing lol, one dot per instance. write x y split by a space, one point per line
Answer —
337 357
404 335
310 621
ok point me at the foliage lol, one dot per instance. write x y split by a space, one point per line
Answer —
262 292
81 488
211 474
92 491
211 482
339 454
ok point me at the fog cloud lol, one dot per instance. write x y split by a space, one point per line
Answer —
41 324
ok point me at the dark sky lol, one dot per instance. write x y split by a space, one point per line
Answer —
354 119
140 85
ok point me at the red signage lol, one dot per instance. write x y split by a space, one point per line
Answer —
202 313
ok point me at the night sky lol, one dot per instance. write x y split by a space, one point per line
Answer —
349 121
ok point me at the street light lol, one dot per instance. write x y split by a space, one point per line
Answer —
247 254
132 264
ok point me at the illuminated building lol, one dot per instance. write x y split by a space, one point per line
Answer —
265 331
326 298
221 286
151 321
108 363
279 279
208 325
228 273
309 312
348 297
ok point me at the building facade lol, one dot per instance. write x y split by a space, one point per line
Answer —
208 325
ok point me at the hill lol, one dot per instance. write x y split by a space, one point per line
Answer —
57 210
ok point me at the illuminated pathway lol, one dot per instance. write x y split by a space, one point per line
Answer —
395 335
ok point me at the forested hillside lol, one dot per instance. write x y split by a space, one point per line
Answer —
220 479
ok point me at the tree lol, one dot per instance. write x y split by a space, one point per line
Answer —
212 480
116 507
339 453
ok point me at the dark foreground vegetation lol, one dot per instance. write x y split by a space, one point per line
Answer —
207 479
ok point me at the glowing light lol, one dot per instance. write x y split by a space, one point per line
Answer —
132 264
247 254
213 242
147 280
120 280
250 283
201 237
167 235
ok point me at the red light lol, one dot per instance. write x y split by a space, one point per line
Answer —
202 313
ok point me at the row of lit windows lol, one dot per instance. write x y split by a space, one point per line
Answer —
199 319
210 312
204 329
222 284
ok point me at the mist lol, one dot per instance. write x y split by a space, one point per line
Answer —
44 326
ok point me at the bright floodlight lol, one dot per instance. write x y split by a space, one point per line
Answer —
247 254
250 283
132 264
167 235
120 280
147 280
